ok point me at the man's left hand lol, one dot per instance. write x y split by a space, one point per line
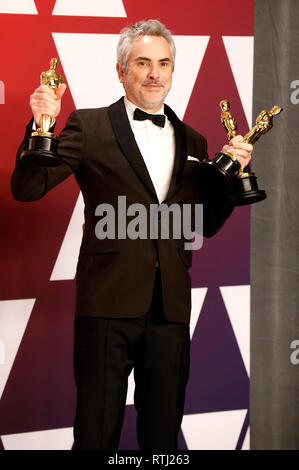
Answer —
241 151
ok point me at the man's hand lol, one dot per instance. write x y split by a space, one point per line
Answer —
240 150
45 101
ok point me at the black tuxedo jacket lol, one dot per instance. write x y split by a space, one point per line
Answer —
115 277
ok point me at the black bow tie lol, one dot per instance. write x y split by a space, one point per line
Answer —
157 119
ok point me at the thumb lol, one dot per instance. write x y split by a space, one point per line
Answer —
60 91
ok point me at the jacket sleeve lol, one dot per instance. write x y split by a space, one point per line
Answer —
216 205
215 213
30 182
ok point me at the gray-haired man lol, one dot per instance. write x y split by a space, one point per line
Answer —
133 296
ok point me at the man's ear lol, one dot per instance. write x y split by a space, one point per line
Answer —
120 73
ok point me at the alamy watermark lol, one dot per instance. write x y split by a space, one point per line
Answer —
294 97
294 357
184 221
2 92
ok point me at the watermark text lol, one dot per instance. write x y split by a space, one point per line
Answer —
136 221
2 92
294 357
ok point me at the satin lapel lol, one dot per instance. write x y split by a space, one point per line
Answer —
125 137
180 150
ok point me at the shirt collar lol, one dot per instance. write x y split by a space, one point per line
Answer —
130 107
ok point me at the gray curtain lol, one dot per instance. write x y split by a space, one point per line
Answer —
274 396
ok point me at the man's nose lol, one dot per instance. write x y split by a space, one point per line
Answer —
154 72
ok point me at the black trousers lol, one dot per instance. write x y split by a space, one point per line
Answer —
105 351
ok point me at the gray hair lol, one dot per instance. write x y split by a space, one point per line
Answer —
141 28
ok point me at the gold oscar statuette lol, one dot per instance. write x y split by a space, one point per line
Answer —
228 121
226 170
42 147
246 188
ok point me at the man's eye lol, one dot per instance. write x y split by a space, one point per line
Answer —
164 64
142 63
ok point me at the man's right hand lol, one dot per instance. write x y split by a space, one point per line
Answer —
44 101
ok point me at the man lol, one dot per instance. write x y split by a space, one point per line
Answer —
133 295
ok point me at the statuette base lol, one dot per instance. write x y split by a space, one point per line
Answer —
42 150
246 190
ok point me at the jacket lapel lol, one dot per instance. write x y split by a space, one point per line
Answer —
125 137
180 150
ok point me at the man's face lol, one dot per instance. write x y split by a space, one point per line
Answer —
147 79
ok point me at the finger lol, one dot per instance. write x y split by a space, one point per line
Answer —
236 140
43 104
60 92
42 100
225 148
44 109
241 153
243 161
244 146
45 90
51 111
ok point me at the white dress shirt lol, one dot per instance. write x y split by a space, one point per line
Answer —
157 147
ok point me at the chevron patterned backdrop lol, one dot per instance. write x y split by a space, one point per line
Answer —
40 241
